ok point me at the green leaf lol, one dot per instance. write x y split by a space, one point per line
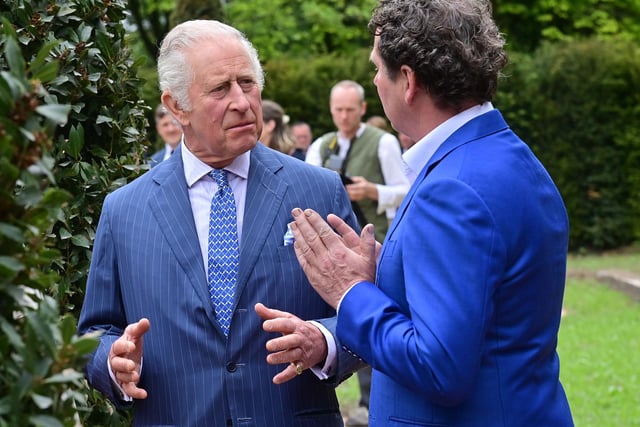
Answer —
11 232
44 421
81 241
68 327
67 376
5 405
40 59
103 119
64 234
42 402
58 113
86 344
11 263
76 140
40 326
14 57
47 72
10 332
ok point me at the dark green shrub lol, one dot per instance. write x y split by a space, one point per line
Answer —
302 85
578 106
70 129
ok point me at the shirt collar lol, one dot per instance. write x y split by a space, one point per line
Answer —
195 169
418 156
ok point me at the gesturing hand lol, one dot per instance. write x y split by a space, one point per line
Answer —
301 345
333 262
125 358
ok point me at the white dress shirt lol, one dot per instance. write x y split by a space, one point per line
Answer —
417 157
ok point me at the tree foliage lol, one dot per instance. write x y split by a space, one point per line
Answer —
299 28
529 23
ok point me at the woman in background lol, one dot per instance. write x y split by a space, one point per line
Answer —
274 133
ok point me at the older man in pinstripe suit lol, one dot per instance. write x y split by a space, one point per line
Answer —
163 348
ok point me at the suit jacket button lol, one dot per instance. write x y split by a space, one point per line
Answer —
231 367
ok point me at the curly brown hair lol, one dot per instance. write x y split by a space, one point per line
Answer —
453 46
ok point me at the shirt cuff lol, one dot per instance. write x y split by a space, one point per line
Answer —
329 368
119 390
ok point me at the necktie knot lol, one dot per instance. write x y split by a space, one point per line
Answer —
220 177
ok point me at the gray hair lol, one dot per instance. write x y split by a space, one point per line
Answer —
176 75
349 84
453 46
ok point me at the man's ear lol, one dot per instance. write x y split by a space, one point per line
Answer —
410 83
176 110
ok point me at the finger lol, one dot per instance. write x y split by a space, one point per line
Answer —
348 234
122 347
368 243
285 375
127 377
283 343
306 229
269 313
318 234
121 364
134 391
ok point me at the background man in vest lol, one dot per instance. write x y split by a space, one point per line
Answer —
370 161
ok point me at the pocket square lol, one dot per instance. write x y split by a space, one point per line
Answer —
288 236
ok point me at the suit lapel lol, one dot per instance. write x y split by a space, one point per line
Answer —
265 193
479 127
172 209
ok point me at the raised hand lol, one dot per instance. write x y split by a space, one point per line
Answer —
125 358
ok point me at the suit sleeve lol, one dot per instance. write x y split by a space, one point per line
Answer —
347 361
102 311
424 323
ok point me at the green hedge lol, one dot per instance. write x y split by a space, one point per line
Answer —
302 86
70 129
578 106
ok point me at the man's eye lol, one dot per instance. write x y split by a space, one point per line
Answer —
220 92
246 84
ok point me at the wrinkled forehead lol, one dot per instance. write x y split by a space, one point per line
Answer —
224 58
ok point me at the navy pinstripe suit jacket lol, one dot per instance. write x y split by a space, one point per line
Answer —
147 263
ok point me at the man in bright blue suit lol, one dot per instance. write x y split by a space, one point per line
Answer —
458 312
165 346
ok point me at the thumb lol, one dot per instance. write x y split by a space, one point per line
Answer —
138 329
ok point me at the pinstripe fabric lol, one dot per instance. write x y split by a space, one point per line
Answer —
147 263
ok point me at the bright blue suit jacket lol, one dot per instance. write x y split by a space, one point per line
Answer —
461 329
147 263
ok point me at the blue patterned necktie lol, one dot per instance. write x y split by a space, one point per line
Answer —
223 251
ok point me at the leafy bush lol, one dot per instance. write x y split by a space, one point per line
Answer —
302 86
578 106
70 129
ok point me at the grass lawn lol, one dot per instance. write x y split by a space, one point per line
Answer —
599 346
